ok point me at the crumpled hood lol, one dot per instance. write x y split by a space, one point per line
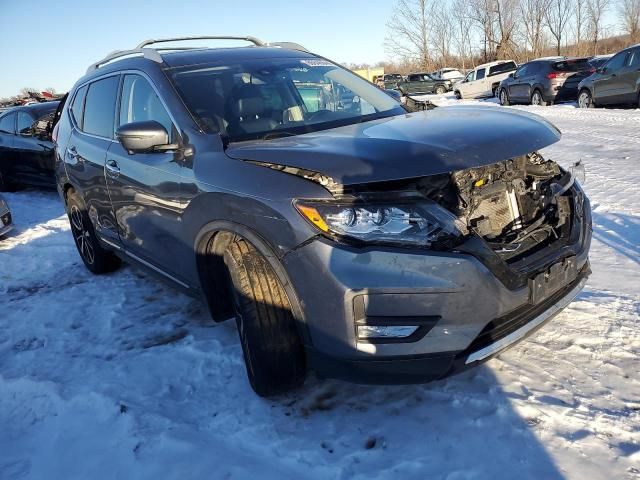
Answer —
442 140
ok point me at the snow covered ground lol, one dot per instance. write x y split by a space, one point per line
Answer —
121 377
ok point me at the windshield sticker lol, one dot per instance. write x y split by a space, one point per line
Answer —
317 63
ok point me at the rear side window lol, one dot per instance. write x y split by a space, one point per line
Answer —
501 68
480 74
44 125
24 123
572 65
140 102
78 106
100 107
7 123
414 78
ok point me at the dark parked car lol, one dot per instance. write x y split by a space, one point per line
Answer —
6 223
617 82
389 81
419 83
360 242
26 149
544 81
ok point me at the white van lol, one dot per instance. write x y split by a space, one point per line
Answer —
483 80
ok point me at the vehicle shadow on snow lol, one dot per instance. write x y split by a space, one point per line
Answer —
461 427
620 232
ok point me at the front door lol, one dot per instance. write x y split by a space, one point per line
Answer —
145 187
608 86
34 149
629 78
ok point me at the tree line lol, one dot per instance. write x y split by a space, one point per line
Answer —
428 34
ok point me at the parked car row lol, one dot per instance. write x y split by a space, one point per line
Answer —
592 81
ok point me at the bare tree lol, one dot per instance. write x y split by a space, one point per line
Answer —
533 16
579 24
506 19
409 31
595 14
462 23
442 34
629 10
557 18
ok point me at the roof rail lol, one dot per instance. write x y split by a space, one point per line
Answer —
256 41
149 53
154 53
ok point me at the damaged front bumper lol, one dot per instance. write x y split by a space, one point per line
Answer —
467 305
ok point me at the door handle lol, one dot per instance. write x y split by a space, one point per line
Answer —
113 170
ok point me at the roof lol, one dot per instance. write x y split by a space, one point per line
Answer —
491 64
36 109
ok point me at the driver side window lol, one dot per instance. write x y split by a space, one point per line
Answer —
616 62
139 102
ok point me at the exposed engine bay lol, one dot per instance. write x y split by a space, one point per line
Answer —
514 205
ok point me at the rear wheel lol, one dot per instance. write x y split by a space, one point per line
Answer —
273 351
538 99
97 259
440 90
504 97
585 100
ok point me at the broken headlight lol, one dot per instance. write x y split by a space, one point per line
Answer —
418 223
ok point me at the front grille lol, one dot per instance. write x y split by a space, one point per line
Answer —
503 326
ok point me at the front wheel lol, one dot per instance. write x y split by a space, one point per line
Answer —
538 99
97 259
585 100
273 351
457 95
440 90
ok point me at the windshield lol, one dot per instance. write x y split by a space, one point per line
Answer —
269 98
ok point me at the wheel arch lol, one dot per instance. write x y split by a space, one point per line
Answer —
215 283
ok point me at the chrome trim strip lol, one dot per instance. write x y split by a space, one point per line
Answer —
522 331
153 267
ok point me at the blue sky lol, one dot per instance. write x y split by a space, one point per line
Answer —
51 44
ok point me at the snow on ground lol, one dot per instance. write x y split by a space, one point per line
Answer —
122 377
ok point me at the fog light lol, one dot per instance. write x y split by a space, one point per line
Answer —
399 331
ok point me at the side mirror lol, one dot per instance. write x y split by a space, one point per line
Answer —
147 136
394 93
26 132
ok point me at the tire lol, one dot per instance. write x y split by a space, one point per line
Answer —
440 90
457 94
97 259
538 99
504 97
273 351
585 100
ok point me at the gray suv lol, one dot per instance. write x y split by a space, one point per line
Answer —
355 238
545 81
617 82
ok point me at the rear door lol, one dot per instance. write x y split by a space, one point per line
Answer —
145 187
608 86
7 136
93 115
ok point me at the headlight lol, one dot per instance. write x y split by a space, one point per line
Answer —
418 223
